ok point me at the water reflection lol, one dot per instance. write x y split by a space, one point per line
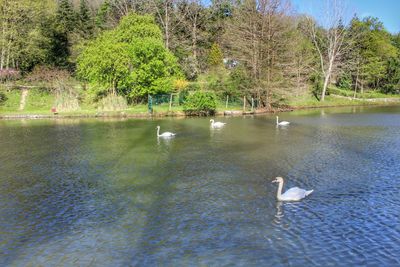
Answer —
279 212
166 141
109 194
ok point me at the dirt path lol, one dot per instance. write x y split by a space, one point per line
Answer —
24 95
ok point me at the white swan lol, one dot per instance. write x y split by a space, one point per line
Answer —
165 134
293 194
283 123
217 124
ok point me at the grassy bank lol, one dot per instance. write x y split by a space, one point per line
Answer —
39 102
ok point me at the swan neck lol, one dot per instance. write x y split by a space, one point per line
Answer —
158 131
279 192
277 121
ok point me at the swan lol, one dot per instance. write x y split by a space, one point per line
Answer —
165 134
217 124
283 123
293 194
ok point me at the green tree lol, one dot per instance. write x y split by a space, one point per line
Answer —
66 17
215 57
371 53
103 14
130 59
86 24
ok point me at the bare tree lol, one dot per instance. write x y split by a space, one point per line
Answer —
166 11
328 42
256 37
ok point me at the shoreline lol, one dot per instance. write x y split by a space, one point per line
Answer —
145 115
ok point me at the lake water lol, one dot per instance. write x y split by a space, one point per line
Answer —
109 193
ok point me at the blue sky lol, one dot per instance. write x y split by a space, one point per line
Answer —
388 11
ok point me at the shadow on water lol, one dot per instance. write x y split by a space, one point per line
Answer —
62 191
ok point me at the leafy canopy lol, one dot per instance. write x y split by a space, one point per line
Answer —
131 59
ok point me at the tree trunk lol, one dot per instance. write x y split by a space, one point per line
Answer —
326 80
166 25
194 39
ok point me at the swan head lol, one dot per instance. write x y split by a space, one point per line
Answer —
158 127
278 180
212 120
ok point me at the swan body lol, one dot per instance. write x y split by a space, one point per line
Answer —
164 134
282 123
293 194
217 124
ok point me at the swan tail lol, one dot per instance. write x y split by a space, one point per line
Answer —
309 192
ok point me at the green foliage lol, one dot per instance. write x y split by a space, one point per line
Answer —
201 103
105 63
392 76
13 98
3 98
66 17
373 50
239 81
134 27
344 81
215 56
102 14
86 24
131 59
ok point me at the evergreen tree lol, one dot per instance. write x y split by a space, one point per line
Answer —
215 56
85 19
66 18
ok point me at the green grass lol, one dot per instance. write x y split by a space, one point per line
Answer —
366 94
311 101
39 102
12 102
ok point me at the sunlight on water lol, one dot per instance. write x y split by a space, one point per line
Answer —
110 193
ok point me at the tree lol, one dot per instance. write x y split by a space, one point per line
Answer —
256 36
130 59
86 24
329 42
22 43
371 55
215 56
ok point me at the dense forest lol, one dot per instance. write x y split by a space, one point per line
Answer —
261 49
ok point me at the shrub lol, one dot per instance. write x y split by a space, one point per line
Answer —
201 103
3 98
344 82
9 74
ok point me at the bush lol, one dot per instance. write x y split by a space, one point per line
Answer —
9 74
201 104
344 82
3 98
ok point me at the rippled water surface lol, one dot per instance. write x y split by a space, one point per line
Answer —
108 193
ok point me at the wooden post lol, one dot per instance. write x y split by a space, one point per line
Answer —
170 102
227 100
244 103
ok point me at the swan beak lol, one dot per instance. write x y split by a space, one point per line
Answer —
274 181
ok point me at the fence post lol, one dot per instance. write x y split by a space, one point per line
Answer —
150 103
170 102
227 99
244 103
